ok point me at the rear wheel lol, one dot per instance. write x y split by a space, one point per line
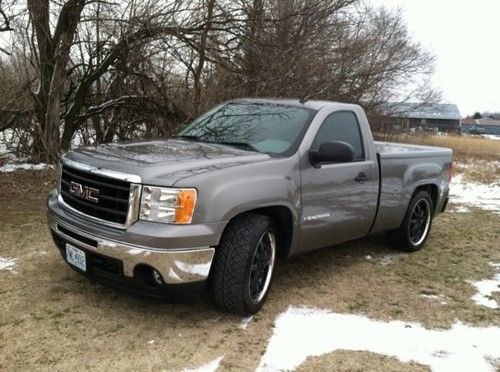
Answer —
413 232
244 263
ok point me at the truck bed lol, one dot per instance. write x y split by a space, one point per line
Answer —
393 150
403 168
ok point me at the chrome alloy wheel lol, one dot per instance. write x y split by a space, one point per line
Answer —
262 266
420 221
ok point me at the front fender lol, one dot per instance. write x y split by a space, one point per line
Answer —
225 193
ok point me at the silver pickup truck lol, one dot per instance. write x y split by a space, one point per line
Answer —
249 182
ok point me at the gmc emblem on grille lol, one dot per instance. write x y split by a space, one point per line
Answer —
84 192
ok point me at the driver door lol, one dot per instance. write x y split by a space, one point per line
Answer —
339 200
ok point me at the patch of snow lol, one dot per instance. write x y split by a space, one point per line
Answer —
245 321
491 136
301 332
7 168
39 253
8 264
386 260
477 163
440 298
368 257
209 367
151 342
485 289
475 194
459 166
461 209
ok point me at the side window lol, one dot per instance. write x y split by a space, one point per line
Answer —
341 126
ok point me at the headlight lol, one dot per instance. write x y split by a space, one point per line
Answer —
168 205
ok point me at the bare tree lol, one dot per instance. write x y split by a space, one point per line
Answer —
52 58
5 20
133 69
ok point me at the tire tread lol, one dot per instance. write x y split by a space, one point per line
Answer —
231 260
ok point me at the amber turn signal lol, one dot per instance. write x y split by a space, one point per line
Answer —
186 200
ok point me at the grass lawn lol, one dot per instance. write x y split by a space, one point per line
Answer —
52 318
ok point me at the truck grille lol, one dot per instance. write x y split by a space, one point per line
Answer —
111 201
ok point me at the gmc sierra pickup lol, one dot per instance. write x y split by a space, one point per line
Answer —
249 182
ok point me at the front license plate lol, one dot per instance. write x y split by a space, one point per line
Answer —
76 257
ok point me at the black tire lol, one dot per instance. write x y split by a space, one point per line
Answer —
407 238
237 264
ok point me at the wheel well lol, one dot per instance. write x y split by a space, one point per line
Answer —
432 190
282 217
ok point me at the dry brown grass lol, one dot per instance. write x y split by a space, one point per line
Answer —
479 170
477 158
53 318
353 361
464 147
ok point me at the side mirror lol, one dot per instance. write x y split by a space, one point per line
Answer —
332 152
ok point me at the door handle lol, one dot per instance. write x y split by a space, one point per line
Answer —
361 177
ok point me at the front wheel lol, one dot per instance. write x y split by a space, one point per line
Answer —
244 263
413 232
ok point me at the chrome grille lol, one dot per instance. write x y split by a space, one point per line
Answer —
113 195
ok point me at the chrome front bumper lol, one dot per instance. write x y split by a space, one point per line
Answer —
176 266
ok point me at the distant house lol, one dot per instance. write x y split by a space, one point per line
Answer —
491 126
443 116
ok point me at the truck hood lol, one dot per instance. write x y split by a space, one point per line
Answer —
165 162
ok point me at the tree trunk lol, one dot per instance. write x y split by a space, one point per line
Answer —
202 56
53 56
251 47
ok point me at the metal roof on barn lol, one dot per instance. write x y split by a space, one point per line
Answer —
468 121
487 121
443 111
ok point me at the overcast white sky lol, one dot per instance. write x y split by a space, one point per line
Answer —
464 35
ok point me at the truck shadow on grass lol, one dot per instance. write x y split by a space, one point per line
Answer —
312 273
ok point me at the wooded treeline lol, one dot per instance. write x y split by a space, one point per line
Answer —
95 71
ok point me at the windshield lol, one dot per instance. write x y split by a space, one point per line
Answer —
267 128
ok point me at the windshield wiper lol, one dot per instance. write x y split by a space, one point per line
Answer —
188 137
245 145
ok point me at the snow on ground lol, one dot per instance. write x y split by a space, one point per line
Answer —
386 260
209 367
38 253
245 322
491 136
302 332
485 289
441 298
461 209
8 264
7 168
473 194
